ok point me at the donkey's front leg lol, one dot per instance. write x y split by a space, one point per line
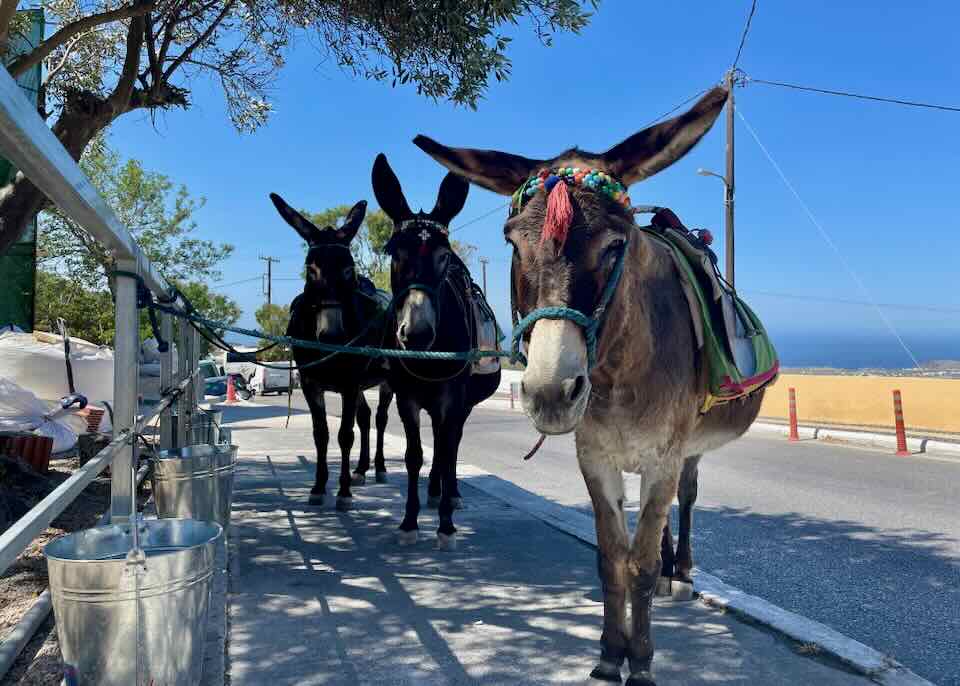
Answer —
445 450
605 485
321 438
644 571
345 438
413 458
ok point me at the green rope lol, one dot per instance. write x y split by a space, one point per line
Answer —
367 351
590 325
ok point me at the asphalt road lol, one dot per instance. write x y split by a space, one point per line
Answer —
864 542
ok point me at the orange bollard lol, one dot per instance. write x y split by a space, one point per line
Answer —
898 421
794 433
231 390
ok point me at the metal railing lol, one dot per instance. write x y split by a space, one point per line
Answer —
27 142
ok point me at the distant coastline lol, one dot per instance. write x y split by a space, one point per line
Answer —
940 369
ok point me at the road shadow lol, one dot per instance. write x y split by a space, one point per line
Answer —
895 590
244 413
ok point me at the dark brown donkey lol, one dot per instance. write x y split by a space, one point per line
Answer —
637 408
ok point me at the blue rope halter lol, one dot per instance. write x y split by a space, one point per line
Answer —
591 325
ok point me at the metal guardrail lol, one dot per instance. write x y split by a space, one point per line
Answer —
28 143
32 524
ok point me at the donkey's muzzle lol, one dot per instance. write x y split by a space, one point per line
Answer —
419 336
555 387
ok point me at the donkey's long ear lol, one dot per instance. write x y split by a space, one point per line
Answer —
656 148
386 187
451 198
305 228
352 223
499 172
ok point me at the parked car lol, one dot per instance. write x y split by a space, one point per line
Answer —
243 363
271 380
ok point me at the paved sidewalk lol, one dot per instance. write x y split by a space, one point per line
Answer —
321 597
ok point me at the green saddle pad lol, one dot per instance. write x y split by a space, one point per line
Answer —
739 354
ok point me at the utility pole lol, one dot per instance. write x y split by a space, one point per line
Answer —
483 265
729 182
269 260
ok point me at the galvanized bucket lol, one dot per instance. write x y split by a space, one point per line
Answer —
122 624
205 427
195 482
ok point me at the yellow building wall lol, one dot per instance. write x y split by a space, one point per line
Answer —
928 404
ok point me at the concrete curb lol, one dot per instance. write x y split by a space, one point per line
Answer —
865 439
712 590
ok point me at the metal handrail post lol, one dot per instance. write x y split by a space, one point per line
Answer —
166 379
183 402
125 379
198 383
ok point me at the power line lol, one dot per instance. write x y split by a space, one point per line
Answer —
895 101
482 216
844 301
743 38
667 114
236 283
829 242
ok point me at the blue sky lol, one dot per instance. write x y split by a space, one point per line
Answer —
882 179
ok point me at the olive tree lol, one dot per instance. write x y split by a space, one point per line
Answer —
109 58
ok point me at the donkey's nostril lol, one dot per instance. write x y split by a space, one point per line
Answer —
573 388
402 333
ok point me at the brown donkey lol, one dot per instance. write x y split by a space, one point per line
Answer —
631 390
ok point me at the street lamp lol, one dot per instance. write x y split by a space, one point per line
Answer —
728 228
706 172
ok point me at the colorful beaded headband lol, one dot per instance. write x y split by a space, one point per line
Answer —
559 215
594 179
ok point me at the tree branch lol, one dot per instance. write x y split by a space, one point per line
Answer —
151 39
22 64
63 62
119 100
200 41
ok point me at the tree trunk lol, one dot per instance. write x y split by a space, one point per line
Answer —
84 116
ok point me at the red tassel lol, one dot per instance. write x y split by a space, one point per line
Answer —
559 216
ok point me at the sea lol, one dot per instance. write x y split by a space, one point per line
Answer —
846 352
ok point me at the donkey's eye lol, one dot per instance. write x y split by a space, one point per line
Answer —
348 273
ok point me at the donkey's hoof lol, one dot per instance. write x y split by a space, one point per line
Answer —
381 477
606 672
358 479
447 541
681 590
344 504
433 501
407 537
643 678
457 503
316 499
663 586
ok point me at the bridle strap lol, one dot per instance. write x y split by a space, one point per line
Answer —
591 325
